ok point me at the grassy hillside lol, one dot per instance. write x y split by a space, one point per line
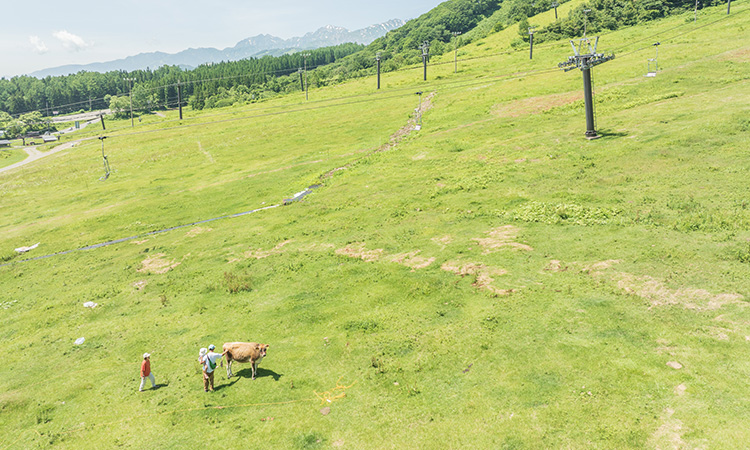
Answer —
9 156
493 280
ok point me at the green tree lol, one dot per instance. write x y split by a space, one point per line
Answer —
120 106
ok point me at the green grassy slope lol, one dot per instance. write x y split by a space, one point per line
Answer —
492 281
10 156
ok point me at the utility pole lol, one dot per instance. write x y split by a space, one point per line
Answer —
425 53
729 4
585 58
305 56
377 58
130 86
301 84
531 42
555 5
455 50
179 96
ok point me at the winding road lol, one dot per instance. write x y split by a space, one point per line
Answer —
35 154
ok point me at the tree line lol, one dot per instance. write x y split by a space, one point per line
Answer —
222 84
158 89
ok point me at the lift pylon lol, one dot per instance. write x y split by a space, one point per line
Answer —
586 58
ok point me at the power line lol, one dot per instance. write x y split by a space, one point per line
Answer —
352 102
415 67
410 88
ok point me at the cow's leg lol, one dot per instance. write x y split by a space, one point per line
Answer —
254 365
229 363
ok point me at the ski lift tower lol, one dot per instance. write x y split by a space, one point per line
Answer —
106 161
586 58
425 47
652 73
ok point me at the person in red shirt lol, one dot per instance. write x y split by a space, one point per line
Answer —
146 372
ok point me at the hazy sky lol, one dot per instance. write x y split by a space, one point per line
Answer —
40 34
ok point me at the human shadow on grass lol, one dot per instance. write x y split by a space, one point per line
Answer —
259 373
159 386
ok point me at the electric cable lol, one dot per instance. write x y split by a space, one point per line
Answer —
402 69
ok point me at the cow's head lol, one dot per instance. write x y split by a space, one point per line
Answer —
262 348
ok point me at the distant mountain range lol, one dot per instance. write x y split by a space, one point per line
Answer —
260 45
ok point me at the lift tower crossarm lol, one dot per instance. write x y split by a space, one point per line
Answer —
585 58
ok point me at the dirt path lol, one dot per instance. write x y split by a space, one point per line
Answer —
35 154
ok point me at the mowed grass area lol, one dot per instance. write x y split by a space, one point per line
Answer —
10 156
493 281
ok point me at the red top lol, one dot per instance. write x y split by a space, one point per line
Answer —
146 368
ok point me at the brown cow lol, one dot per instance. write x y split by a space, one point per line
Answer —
244 352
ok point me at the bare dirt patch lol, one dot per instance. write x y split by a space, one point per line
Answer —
597 267
679 390
535 105
500 238
409 259
260 253
675 365
718 333
657 293
482 273
157 264
357 250
412 260
314 246
442 241
139 285
668 435
198 230
740 55
140 242
556 266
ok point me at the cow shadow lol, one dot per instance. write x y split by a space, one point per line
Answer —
225 385
260 373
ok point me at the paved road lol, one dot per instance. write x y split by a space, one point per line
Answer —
82 116
35 154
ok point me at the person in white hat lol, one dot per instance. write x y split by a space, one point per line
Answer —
209 365
146 372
